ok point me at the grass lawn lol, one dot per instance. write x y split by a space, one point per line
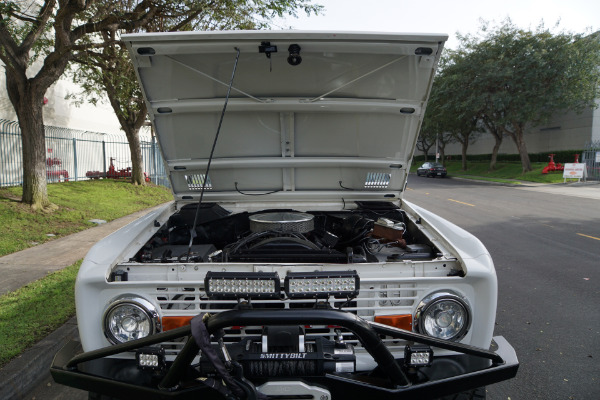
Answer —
505 172
32 312
29 314
77 202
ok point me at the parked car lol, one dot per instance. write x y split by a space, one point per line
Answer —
432 169
288 265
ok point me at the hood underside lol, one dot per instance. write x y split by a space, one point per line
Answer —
311 115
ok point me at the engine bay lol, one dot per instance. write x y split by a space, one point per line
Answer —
372 232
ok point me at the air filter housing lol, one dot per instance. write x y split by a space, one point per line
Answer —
283 221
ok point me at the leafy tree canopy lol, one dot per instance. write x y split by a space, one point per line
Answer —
56 32
529 75
513 79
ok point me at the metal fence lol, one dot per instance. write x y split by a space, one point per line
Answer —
73 155
591 157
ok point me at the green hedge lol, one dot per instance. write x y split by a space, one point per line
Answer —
561 156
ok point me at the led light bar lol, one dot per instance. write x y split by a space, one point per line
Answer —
417 356
150 358
242 284
322 284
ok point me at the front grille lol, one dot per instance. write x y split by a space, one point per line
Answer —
374 299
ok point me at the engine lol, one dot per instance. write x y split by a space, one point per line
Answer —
366 234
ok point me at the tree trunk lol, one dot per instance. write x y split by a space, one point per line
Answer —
35 191
525 162
518 138
498 135
131 122
28 103
464 147
424 149
137 162
495 150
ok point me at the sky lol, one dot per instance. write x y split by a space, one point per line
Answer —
447 16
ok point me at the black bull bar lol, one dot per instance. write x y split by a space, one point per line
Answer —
94 372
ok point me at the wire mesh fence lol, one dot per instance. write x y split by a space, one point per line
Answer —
73 155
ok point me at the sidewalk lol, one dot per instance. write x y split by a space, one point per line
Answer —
588 190
22 374
23 267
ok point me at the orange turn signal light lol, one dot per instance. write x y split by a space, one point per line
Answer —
403 321
169 323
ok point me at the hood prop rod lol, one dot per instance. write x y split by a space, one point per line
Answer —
193 233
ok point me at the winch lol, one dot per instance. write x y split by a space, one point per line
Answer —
283 351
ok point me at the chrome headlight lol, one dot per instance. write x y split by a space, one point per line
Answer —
443 315
130 318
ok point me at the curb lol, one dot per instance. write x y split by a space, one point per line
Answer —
507 184
29 369
459 178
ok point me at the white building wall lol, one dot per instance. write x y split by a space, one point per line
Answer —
63 113
568 131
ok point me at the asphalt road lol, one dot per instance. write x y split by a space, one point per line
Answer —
546 249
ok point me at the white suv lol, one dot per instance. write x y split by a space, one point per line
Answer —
288 266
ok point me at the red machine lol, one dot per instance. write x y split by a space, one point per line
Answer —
113 173
53 173
552 166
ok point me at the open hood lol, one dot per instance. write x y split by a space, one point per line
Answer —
311 115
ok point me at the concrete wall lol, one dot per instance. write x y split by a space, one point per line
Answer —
568 131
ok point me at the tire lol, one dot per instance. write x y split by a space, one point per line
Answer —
475 394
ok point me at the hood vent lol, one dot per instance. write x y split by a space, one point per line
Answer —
377 180
196 181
